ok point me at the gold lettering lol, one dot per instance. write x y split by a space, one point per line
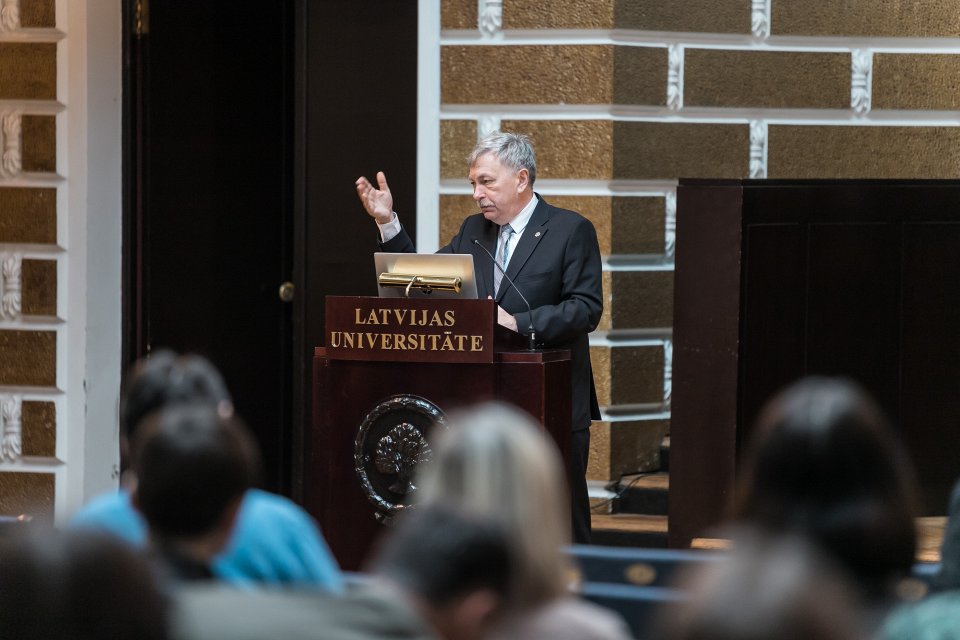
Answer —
386 341
400 341
433 341
371 340
357 319
400 314
372 318
476 343
435 320
335 339
447 342
384 316
348 340
450 318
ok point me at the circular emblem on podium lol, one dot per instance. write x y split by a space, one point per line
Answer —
393 440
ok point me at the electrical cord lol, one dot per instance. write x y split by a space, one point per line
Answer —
623 489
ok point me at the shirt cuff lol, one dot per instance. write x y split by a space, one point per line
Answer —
390 230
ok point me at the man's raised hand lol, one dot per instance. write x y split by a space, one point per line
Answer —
377 202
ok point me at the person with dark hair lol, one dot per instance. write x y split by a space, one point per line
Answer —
824 463
193 468
766 587
77 585
275 541
551 255
442 573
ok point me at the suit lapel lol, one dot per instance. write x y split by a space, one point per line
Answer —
532 235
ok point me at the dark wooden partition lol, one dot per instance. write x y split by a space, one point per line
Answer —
780 279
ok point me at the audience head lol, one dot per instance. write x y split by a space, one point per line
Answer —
193 467
77 585
454 565
496 462
164 378
825 463
767 587
513 150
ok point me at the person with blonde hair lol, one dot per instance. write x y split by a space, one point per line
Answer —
496 462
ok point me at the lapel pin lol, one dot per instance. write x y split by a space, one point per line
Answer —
536 235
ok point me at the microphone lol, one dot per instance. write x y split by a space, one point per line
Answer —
533 333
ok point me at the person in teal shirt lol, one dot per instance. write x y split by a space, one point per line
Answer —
274 541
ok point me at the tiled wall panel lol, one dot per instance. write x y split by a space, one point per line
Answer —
859 18
27 493
916 81
28 71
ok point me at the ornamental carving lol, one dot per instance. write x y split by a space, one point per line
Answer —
675 77
9 16
491 17
399 453
391 443
670 225
11 162
667 373
11 445
861 63
758 149
10 288
760 18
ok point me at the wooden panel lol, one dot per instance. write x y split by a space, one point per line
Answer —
558 14
709 16
40 144
650 150
39 288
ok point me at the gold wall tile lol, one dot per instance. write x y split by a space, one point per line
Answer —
27 493
600 363
637 375
462 82
28 71
653 150
38 14
39 424
596 209
863 152
558 14
623 448
28 215
40 144
639 225
457 139
28 358
628 374
39 288
920 81
706 16
569 148
890 18
640 75
458 14
642 299
607 284
768 79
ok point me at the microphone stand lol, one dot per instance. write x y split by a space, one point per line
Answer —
533 334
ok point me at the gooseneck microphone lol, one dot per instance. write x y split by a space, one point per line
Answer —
533 333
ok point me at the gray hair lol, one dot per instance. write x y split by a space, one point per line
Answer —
513 150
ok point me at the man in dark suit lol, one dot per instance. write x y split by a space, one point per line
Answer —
551 254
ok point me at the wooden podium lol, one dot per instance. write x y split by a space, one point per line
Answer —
777 279
391 370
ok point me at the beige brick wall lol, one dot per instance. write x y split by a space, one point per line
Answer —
623 98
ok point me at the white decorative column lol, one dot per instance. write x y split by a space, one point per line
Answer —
861 81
